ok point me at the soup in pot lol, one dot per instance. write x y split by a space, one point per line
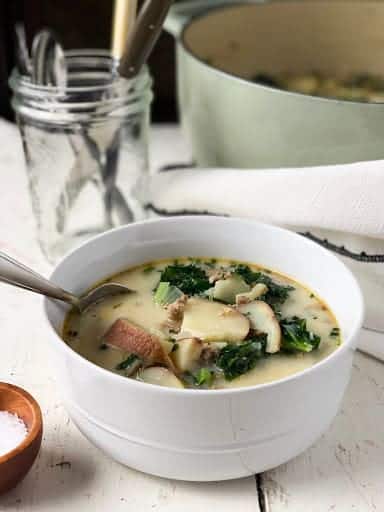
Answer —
205 324
360 87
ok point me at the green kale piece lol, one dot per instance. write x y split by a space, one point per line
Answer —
235 360
166 294
204 377
276 295
266 79
190 279
296 337
127 362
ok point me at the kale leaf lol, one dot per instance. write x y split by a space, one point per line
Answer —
276 295
190 279
204 377
235 360
127 362
296 337
166 294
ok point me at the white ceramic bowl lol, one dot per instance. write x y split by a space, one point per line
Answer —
205 435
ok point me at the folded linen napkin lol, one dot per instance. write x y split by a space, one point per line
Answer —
338 206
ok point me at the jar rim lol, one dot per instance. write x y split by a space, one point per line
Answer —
96 92
23 84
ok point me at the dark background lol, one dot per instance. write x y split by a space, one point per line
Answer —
80 24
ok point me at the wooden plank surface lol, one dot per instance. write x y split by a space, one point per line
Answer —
70 473
342 472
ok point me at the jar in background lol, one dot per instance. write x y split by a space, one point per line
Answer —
86 149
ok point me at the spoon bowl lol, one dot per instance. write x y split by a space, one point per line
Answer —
100 293
48 60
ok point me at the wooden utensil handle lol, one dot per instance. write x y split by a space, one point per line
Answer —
144 36
123 22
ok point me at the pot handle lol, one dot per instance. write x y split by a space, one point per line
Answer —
181 13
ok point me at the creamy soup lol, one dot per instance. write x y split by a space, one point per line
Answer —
361 87
205 324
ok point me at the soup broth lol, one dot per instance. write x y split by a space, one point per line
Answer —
359 87
205 324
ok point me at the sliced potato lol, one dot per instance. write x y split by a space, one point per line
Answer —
306 84
227 289
257 291
133 339
212 321
167 345
161 377
187 353
263 319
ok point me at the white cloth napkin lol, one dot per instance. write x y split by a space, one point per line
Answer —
339 206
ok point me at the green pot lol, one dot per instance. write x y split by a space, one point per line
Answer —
234 122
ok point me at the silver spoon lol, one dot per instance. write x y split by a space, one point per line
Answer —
48 60
23 60
16 274
49 68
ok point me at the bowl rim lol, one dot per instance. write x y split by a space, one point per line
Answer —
37 424
346 344
268 88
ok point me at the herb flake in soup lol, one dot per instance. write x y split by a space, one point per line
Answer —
205 324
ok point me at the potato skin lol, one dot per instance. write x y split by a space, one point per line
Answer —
129 337
262 318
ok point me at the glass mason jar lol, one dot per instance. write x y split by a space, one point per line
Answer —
86 149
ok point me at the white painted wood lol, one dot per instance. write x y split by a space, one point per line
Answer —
342 472
91 482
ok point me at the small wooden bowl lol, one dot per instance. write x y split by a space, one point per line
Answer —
15 464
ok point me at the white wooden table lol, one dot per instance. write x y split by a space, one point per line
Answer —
343 472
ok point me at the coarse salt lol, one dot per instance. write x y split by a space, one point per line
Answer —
12 431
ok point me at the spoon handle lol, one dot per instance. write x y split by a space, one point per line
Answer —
143 37
22 55
15 273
